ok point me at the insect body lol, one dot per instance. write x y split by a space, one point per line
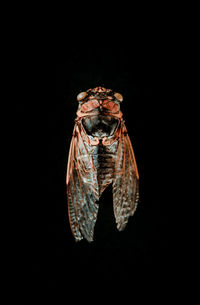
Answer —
100 154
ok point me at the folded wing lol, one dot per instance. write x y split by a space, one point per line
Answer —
125 182
82 187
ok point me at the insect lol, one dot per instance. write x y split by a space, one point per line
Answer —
100 154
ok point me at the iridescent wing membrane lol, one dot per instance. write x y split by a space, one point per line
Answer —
125 182
82 187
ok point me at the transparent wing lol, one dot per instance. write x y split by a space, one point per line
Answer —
125 182
82 187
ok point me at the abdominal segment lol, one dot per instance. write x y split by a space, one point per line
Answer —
104 158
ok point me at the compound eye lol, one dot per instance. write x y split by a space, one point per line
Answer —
81 96
119 97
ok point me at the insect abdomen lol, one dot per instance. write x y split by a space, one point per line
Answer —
104 158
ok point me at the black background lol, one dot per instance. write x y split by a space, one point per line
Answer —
144 248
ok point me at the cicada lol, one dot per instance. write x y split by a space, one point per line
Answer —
100 154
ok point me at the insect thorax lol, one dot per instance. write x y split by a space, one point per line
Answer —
100 126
